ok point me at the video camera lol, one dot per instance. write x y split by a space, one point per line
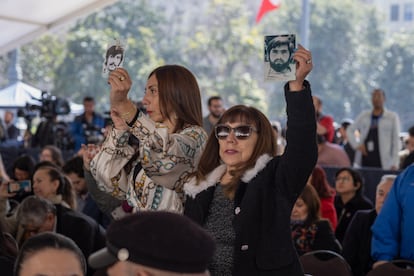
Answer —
49 107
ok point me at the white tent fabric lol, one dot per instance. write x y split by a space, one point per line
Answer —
19 94
23 20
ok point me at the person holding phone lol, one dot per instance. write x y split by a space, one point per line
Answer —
48 182
23 186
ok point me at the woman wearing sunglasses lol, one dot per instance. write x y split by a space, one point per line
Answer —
243 194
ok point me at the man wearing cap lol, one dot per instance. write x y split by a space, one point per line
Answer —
155 243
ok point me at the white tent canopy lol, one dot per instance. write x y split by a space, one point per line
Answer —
19 94
23 20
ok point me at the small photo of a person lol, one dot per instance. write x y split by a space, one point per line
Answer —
113 58
278 57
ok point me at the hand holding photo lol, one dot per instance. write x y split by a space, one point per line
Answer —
114 56
278 57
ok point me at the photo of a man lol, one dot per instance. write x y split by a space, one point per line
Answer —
113 58
279 65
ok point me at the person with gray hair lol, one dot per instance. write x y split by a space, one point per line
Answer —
37 215
392 232
50 254
356 247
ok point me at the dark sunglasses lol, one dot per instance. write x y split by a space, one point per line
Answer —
240 132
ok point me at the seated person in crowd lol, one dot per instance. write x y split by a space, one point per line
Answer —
22 169
47 182
331 155
349 199
326 195
407 155
73 169
37 215
53 154
8 251
392 232
50 254
309 231
324 122
155 243
357 242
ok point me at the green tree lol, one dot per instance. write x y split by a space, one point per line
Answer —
396 79
220 43
224 51
136 24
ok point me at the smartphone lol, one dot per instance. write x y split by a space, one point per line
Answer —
20 186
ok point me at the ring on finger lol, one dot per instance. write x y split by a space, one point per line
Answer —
309 61
121 78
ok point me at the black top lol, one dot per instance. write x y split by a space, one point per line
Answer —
264 200
408 160
372 159
345 212
316 236
356 247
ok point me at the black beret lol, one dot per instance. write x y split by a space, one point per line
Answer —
157 239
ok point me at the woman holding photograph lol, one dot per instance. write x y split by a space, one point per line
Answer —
243 194
151 174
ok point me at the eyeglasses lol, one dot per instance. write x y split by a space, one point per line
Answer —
240 132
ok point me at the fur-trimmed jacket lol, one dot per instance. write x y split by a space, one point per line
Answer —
265 197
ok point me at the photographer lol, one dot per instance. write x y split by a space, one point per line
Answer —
87 127
50 131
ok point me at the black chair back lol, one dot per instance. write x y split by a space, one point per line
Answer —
324 263
395 267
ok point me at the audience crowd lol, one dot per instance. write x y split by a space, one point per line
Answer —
252 194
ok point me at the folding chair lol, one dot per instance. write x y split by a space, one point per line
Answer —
395 267
324 263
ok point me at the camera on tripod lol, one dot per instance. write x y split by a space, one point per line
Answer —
49 107
49 131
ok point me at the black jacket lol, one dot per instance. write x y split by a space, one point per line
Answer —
345 212
265 197
357 242
314 236
83 230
